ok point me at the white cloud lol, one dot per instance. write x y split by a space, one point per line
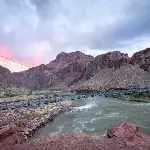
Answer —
45 28
139 43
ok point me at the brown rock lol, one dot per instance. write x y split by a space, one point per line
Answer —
114 59
77 71
115 70
63 59
58 74
6 131
82 141
123 130
9 141
142 58
4 73
9 136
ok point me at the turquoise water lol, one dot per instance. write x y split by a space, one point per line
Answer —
96 115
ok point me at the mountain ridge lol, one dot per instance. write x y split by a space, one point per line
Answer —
78 71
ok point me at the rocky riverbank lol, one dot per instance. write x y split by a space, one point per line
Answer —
123 136
20 98
28 120
136 97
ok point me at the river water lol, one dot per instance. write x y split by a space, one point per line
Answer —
96 115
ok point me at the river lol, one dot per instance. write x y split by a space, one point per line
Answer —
96 115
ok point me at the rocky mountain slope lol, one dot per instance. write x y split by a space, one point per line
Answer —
142 58
77 71
58 74
64 59
115 70
4 74
114 60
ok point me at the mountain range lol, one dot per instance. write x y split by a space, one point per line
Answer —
78 71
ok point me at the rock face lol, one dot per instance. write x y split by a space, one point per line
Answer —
77 71
4 73
124 136
58 74
142 58
115 70
63 59
122 78
33 78
114 60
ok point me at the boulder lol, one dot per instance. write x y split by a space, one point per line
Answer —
6 131
123 130
123 136
9 136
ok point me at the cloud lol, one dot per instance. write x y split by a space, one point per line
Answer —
5 51
36 31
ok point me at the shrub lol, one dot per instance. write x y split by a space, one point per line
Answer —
16 111
9 94
28 115
55 95
30 93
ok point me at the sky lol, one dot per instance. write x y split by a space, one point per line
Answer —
35 31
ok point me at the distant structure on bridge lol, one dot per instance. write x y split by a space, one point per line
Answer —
12 65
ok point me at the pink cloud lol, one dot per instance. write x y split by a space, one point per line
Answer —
7 53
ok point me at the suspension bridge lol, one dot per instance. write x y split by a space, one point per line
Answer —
51 99
13 66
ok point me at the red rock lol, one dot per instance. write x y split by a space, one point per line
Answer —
142 58
114 59
4 73
58 74
123 130
80 72
81 141
6 131
9 136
